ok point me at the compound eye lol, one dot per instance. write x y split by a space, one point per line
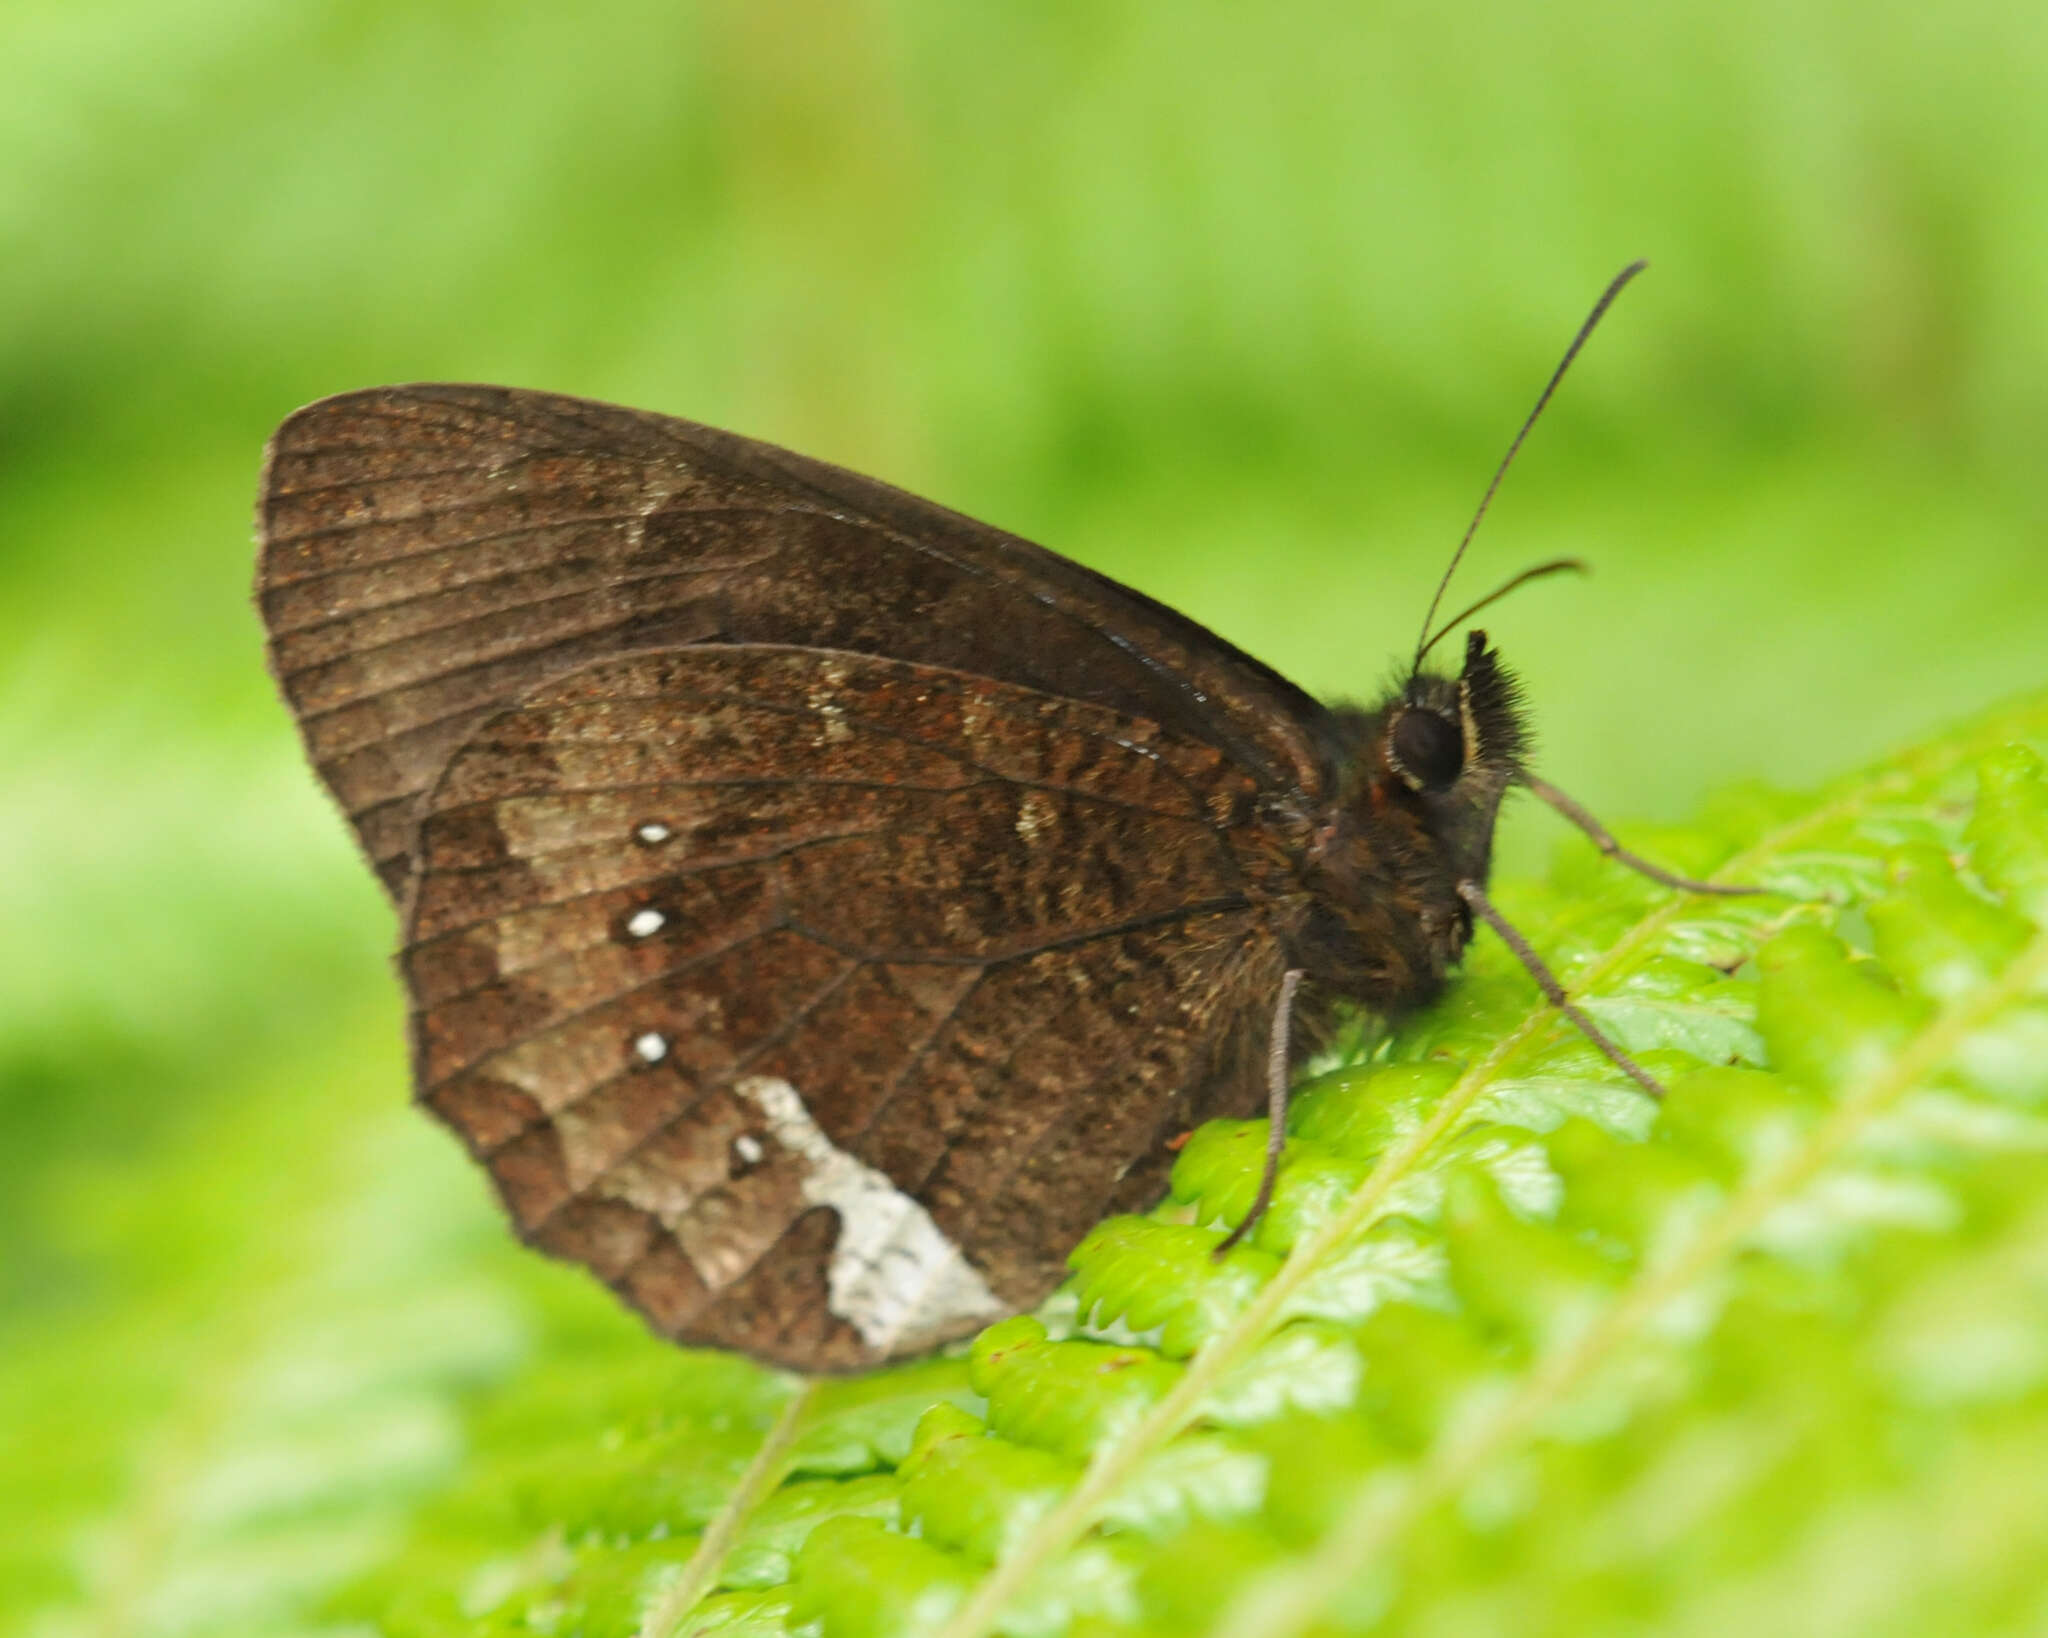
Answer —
1428 749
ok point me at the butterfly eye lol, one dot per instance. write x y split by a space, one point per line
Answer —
1428 749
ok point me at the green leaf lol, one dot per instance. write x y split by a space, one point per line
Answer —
1165 1277
858 1579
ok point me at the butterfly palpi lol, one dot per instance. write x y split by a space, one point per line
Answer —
819 908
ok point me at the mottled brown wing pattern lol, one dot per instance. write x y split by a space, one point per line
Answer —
433 553
820 1002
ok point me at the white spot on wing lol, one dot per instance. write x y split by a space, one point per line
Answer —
650 1048
749 1148
652 832
645 923
894 1275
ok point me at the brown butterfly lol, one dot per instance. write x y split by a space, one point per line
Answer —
820 908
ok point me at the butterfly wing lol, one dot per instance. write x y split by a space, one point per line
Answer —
431 554
821 1002
820 907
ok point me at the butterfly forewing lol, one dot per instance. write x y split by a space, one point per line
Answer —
708 940
431 554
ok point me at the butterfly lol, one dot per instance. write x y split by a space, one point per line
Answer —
820 908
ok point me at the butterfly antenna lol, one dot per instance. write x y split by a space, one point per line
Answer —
1557 565
1614 288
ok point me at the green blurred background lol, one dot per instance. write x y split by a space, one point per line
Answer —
1238 303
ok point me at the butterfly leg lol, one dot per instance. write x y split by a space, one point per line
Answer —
1604 840
1276 1109
1553 992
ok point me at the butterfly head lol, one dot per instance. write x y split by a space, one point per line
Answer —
1444 732
1450 747
1419 786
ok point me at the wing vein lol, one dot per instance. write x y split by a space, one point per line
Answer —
712 1083
531 528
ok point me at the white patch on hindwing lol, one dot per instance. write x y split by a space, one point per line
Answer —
894 1275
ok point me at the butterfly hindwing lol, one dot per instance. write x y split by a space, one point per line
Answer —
821 1002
